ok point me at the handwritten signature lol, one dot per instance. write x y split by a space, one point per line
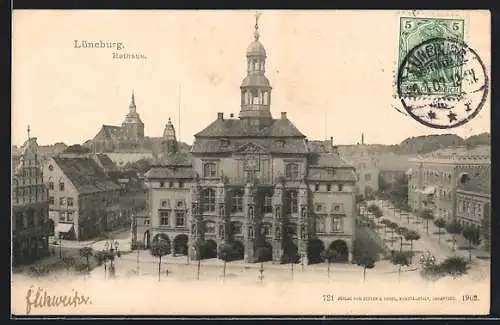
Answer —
39 298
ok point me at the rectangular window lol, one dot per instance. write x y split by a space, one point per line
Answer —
165 203
162 184
61 201
337 224
293 202
237 201
237 228
209 170
61 186
164 216
62 216
319 207
70 216
268 204
19 221
51 185
179 220
368 177
51 200
210 227
328 187
181 184
320 224
316 187
70 201
180 204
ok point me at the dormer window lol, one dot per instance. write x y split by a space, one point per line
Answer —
280 143
330 170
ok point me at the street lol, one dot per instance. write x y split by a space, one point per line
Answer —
441 247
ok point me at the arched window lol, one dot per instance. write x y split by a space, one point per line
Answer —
237 201
292 201
292 171
464 177
208 200
209 170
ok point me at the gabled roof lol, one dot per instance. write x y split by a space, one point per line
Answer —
85 174
235 128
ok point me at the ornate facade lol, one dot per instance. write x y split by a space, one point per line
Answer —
30 207
433 178
255 182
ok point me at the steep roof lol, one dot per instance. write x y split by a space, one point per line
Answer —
170 172
179 159
268 145
109 132
105 162
85 174
235 128
320 173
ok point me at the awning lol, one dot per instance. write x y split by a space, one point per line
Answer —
409 171
429 190
64 227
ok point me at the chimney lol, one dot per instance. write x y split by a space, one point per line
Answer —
231 115
283 115
220 116
362 138
331 140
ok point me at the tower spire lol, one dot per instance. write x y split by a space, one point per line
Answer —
132 106
28 129
256 33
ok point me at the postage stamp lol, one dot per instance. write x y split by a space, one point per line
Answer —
441 82
413 31
192 176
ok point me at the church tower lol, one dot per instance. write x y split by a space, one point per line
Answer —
255 88
132 127
169 139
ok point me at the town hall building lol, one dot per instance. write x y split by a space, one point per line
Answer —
255 183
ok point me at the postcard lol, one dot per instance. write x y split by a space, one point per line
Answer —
196 163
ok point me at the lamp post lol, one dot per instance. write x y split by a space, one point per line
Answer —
261 272
60 246
427 260
112 248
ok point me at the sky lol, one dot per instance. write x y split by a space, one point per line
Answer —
333 72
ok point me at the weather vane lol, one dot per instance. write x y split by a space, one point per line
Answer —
256 34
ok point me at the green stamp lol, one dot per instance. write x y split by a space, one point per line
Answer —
414 31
